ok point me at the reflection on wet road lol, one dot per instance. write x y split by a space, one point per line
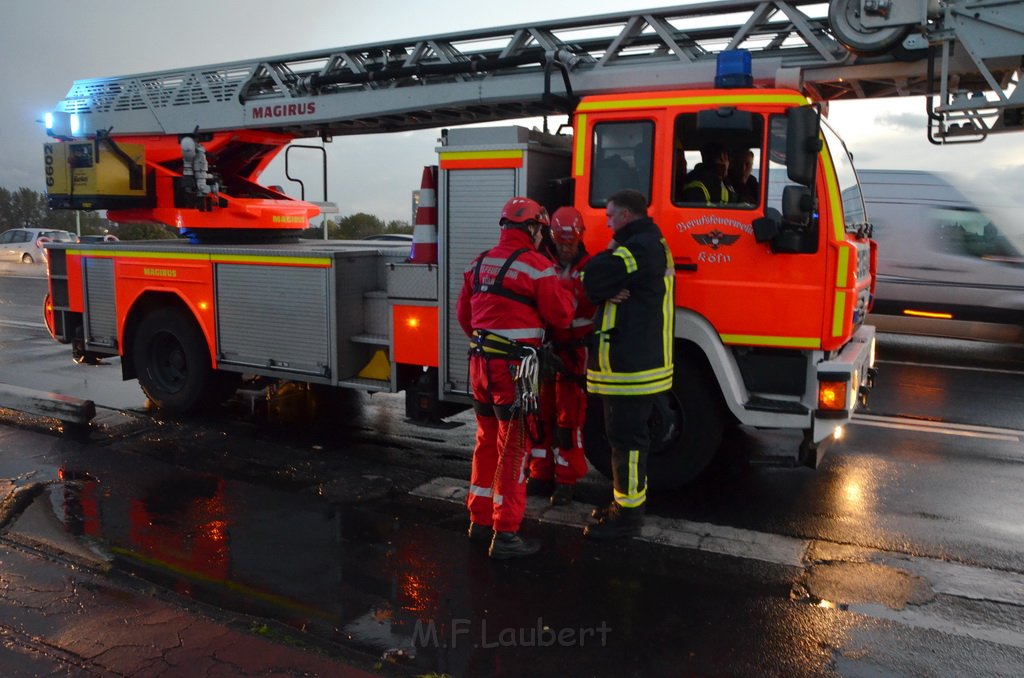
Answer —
397 578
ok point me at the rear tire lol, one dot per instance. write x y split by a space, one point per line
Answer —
686 431
27 259
173 364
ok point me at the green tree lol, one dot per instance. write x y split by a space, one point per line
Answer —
398 226
355 226
23 208
145 231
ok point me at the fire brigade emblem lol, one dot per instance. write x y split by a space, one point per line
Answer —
714 239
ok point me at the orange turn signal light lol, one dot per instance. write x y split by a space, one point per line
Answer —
927 314
832 395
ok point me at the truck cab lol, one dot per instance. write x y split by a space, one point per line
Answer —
772 288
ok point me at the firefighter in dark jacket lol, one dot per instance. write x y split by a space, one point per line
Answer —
630 361
509 294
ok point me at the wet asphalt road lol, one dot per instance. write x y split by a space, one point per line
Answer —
901 555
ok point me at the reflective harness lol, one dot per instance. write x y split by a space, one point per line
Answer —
697 183
487 344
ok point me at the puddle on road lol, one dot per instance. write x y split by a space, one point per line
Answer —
841 584
397 579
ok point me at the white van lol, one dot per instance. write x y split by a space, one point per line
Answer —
946 266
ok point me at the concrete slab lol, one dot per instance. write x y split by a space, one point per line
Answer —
45 404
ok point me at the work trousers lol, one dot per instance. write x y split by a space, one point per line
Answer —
626 425
559 456
497 484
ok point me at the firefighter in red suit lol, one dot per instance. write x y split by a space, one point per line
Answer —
558 462
510 293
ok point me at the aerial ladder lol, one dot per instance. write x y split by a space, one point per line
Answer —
186 148
964 56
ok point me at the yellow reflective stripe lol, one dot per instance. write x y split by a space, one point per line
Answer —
668 306
832 185
139 255
581 145
480 155
702 187
630 502
838 313
246 259
604 341
633 484
651 388
627 258
843 266
753 339
633 496
630 377
715 99
218 258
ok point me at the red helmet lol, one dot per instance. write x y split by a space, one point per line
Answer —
567 226
521 210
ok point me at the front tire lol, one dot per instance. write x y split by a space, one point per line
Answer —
686 431
172 362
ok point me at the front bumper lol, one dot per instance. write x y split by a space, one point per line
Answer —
853 367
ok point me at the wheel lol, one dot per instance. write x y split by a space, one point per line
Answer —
172 362
27 259
686 431
844 17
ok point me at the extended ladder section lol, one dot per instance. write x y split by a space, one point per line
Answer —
966 54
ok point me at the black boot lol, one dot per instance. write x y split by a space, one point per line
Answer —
477 532
562 496
511 545
618 522
601 511
537 487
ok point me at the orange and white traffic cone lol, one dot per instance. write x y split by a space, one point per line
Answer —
424 231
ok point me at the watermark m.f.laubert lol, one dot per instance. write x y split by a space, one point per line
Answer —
462 633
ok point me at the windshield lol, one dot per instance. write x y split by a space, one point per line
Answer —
58 236
849 188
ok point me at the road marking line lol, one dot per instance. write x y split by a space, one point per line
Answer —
24 324
919 619
966 368
945 428
727 541
946 577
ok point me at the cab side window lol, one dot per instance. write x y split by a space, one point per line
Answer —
621 157
717 159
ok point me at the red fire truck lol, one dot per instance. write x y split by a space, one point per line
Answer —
771 293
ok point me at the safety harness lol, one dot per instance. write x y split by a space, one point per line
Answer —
489 345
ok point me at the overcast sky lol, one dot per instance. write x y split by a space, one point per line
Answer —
45 46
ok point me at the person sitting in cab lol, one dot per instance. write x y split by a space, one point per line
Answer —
707 183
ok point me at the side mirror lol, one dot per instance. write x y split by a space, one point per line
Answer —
797 205
803 144
768 226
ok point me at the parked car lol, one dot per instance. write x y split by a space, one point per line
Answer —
949 262
98 238
390 237
26 244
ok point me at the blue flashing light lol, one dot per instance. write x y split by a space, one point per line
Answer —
76 124
734 69
48 121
